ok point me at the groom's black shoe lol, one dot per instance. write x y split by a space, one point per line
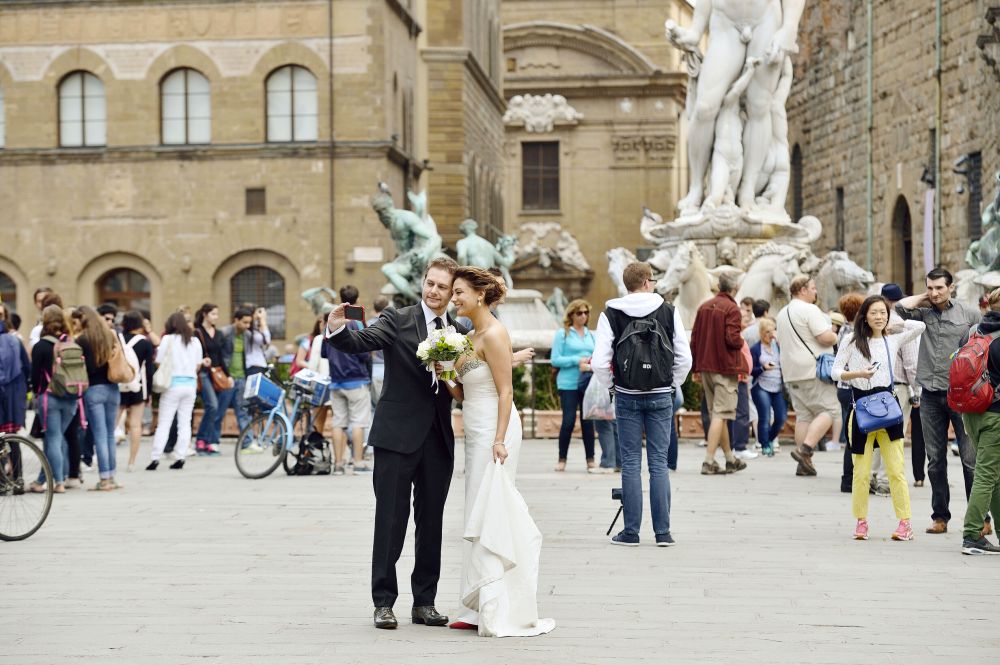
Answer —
428 616
384 618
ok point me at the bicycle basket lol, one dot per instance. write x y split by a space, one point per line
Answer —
262 392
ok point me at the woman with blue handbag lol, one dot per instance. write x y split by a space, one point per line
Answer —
864 362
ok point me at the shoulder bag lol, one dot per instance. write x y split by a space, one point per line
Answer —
824 361
165 372
879 410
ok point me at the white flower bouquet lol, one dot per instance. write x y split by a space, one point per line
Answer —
444 346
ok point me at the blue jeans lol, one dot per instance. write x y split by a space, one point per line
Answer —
232 398
739 429
672 450
607 434
58 414
572 402
766 402
101 409
207 430
654 415
935 415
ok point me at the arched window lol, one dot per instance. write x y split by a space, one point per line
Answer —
797 203
291 104
261 287
8 292
3 123
126 288
82 114
185 108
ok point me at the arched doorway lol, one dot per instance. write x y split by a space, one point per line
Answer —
125 288
8 292
902 245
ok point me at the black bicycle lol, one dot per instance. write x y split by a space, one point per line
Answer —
26 487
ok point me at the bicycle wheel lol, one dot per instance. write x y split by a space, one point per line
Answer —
23 511
261 447
301 428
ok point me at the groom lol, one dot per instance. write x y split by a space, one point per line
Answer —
413 440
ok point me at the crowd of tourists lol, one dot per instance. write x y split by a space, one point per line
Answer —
84 380
91 373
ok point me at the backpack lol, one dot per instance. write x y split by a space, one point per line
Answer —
69 368
643 358
138 380
314 456
969 387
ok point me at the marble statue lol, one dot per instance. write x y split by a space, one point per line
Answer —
689 277
319 298
416 238
557 303
738 30
770 269
727 150
839 275
984 253
618 258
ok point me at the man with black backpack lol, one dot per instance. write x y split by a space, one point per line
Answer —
642 350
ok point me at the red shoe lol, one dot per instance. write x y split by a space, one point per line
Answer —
461 625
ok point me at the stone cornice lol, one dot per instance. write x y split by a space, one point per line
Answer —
672 85
315 150
464 55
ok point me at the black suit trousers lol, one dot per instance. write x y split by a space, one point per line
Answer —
428 472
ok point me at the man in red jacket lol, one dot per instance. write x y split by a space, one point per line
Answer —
717 345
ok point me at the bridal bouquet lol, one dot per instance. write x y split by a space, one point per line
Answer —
444 346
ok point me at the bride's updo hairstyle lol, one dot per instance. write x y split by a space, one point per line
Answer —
482 281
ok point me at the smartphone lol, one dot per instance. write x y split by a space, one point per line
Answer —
354 313
876 365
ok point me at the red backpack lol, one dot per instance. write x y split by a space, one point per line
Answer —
969 387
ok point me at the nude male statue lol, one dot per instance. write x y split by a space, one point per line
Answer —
727 150
772 27
473 249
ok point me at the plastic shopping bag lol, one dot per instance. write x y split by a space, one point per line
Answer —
597 404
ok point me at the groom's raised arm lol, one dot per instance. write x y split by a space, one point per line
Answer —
378 336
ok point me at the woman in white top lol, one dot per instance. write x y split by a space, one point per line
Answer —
864 363
186 358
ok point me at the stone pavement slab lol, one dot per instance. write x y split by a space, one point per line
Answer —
204 566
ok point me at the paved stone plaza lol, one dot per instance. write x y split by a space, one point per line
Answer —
203 566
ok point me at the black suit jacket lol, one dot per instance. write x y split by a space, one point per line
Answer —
408 407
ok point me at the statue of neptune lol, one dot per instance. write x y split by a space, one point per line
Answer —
737 30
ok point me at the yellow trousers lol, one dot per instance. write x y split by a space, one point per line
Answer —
892 457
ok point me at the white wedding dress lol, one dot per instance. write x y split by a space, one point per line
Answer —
501 543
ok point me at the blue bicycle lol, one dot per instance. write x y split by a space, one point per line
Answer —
281 417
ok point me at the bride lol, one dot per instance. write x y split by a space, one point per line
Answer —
501 543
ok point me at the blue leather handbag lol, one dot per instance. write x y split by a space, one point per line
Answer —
879 410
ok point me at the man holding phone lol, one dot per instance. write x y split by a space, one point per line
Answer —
350 397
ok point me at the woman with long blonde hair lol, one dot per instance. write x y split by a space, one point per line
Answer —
101 400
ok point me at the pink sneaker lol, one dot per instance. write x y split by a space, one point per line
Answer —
861 530
903 531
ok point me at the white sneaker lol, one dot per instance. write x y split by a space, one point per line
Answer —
833 446
601 469
775 446
745 454
119 435
703 443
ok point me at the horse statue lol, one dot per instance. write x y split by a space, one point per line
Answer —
618 258
839 275
690 278
967 288
769 271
